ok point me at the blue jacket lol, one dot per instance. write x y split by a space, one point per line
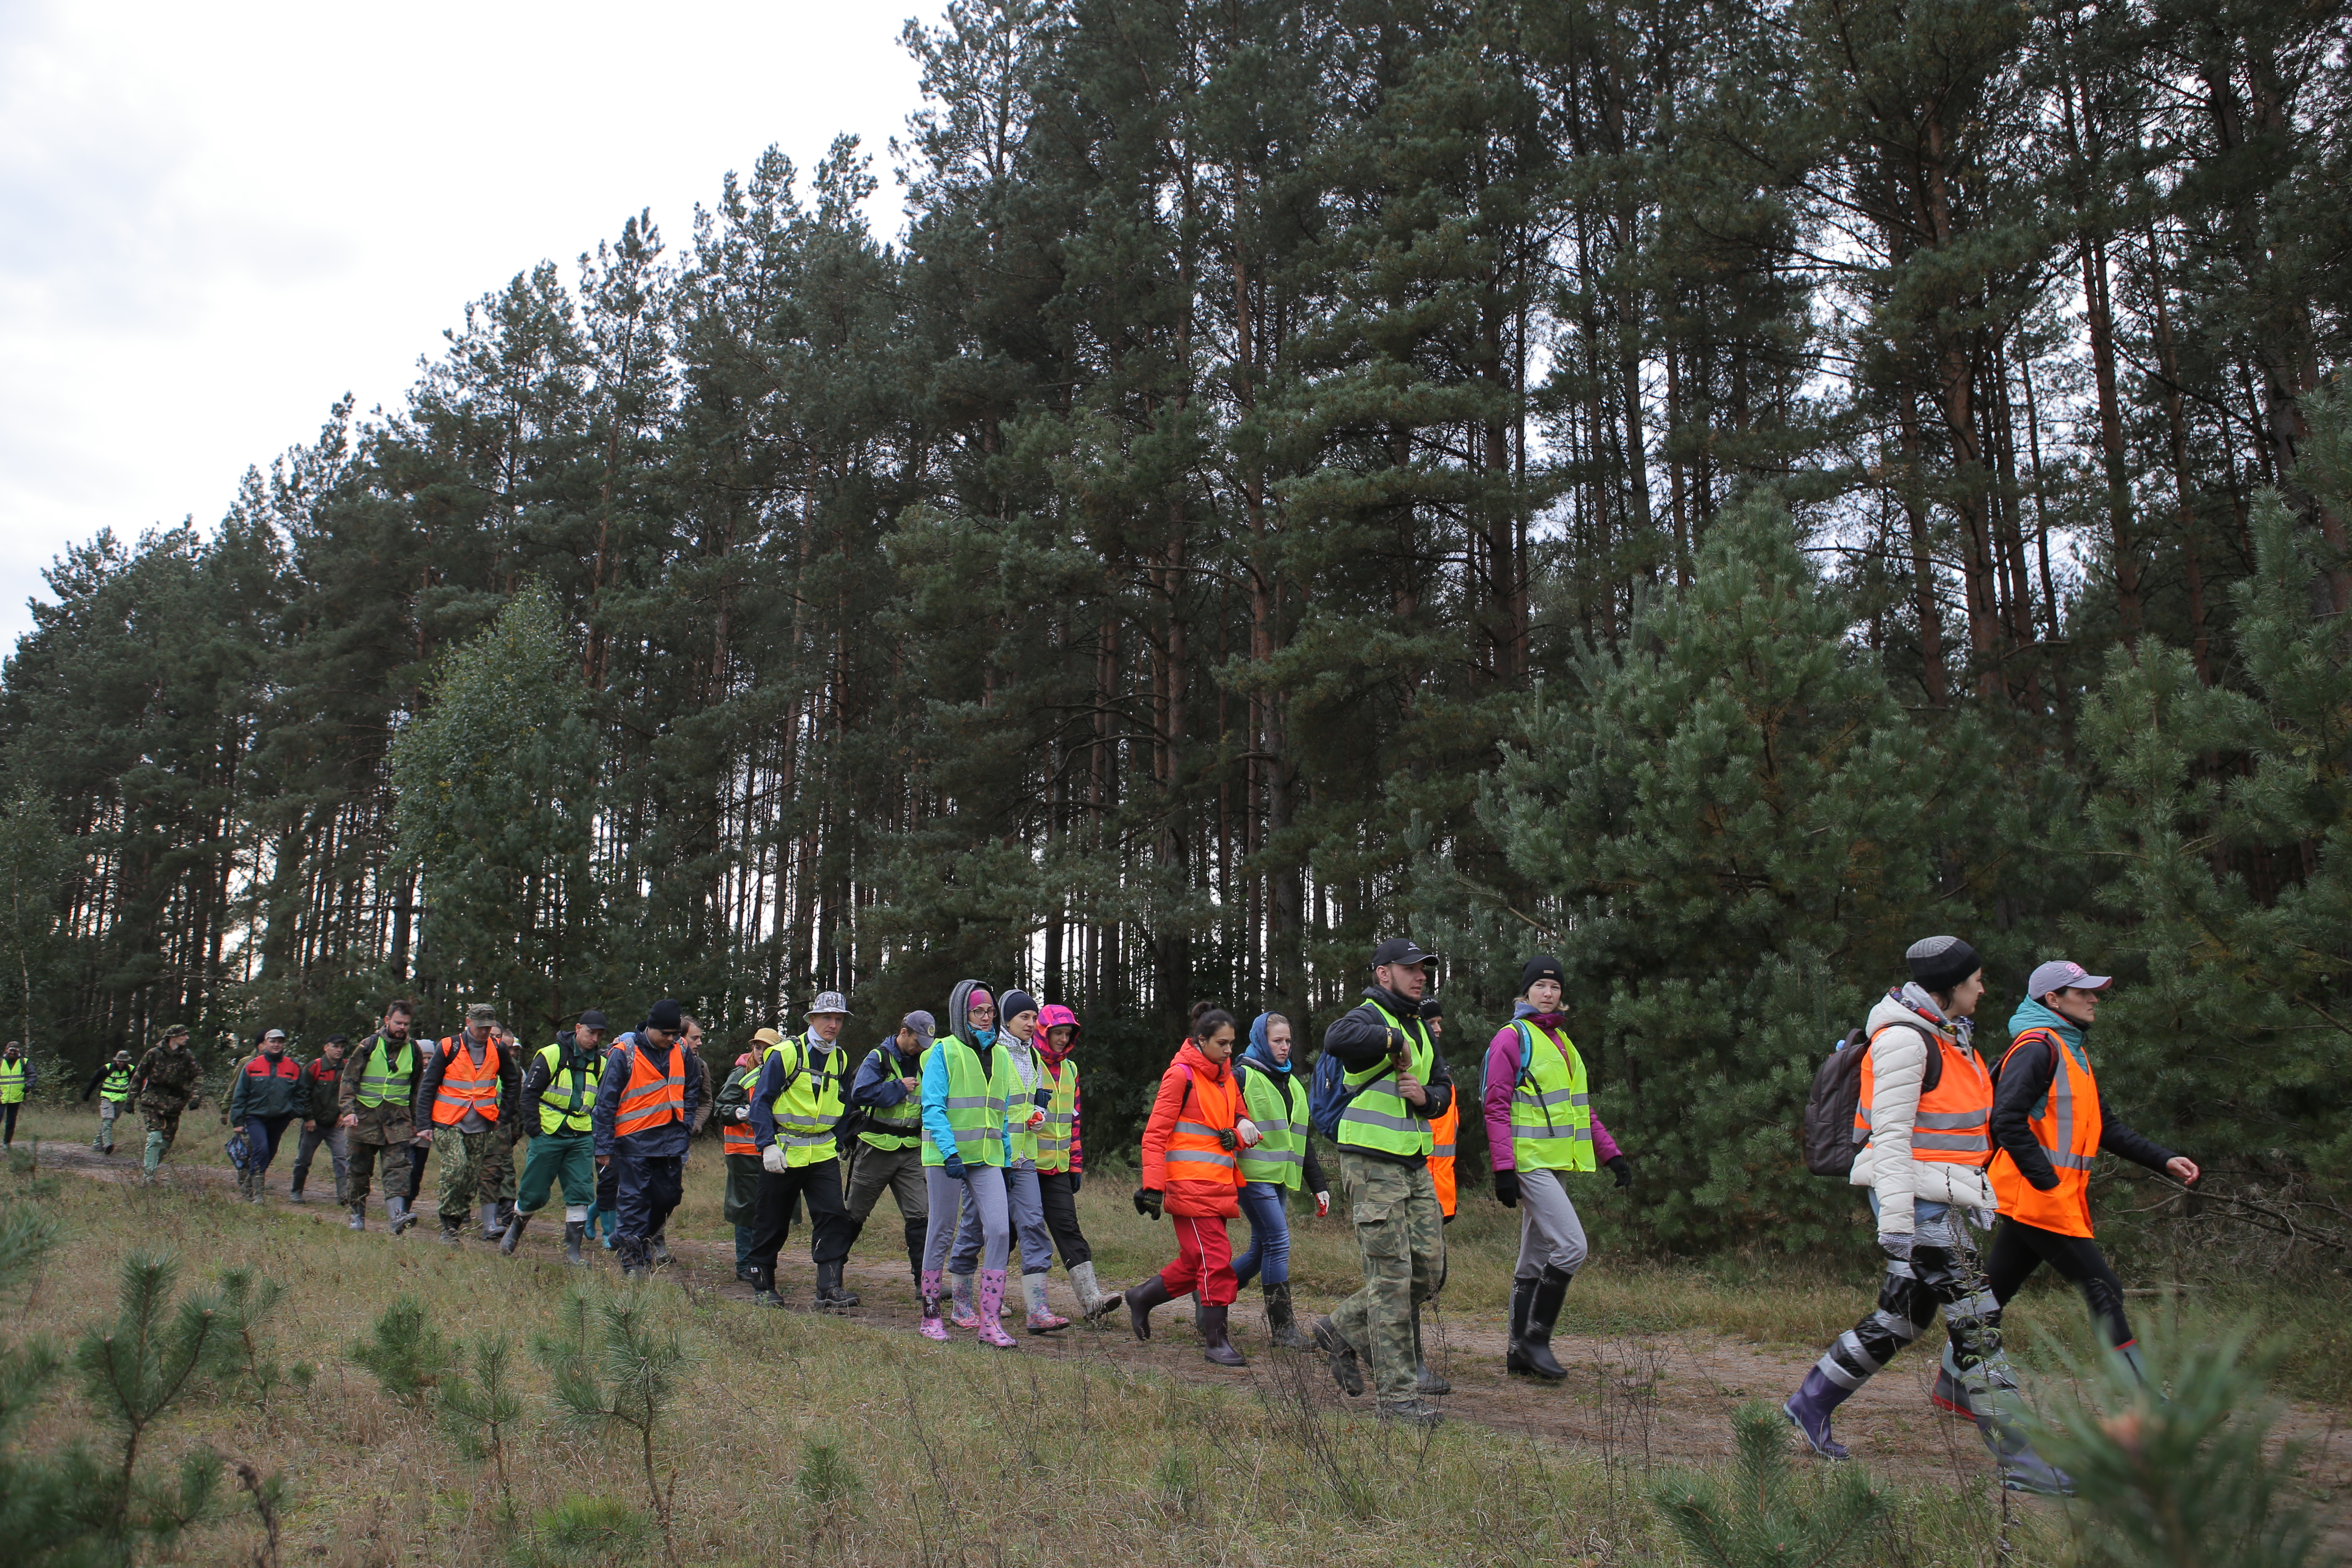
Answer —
876 1083
776 1068
668 1140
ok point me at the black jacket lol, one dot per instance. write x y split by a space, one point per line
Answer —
2025 1075
1359 1037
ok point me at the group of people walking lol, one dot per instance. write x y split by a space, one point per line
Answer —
976 1133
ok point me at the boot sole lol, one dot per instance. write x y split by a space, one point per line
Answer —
1837 1458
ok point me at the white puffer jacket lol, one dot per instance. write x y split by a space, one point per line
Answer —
1898 1066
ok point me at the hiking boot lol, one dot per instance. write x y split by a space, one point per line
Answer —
1808 1411
657 1247
749 1273
513 1237
1413 1411
1139 1299
1346 1369
1217 1347
1282 1322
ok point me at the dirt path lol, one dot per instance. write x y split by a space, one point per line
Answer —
1638 1399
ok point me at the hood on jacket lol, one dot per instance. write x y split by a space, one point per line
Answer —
2032 1015
1905 1005
1190 1054
1052 1016
1551 1020
957 1022
1261 1050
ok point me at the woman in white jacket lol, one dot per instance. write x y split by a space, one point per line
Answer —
1924 1123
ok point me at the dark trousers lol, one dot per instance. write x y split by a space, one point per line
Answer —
331 1137
262 1136
417 1154
608 1188
820 1186
1059 1196
649 1188
2019 1249
8 1112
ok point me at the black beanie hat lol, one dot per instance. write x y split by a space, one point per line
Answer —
1542 966
1013 1003
667 1017
1941 962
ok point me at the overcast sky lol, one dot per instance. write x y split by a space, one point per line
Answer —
215 219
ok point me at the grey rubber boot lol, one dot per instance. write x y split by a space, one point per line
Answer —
574 1230
491 1229
1424 1381
1082 1280
359 1215
513 1235
403 1216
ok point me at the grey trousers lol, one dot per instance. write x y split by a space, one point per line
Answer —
900 1172
983 1188
338 1143
1028 1211
1550 1232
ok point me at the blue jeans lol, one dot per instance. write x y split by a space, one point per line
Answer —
262 1136
1269 1248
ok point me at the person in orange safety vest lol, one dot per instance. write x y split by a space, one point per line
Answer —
466 1099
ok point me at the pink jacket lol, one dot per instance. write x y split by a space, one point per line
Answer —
1503 1066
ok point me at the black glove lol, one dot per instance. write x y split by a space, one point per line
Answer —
1622 1169
1077 1180
1146 1202
1507 1188
952 1168
1228 1140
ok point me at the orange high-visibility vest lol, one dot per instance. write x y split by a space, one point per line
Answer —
653 1095
1441 1153
2067 1125
464 1086
1954 1124
1193 1152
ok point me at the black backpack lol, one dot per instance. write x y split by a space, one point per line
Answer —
1836 1101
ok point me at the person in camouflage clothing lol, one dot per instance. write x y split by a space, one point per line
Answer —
375 1095
168 1082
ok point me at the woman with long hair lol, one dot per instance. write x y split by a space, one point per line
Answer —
1191 1170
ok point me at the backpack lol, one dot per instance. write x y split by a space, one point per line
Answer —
1836 1101
1327 1096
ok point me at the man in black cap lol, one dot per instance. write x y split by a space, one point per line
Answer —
323 1080
1397 1085
646 1105
559 1098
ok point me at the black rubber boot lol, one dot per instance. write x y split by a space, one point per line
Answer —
1139 1300
1532 1353
508 1242
1282 1320
1346 1369
1424 1381
1215 1346
831 1297
574 1231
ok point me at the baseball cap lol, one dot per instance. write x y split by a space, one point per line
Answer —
926 1027
2064 975
830 1002
481 1013
1399 950
275 1035
592 1019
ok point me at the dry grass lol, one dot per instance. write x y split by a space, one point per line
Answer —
806 1438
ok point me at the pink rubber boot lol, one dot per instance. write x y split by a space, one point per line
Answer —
933 1328
959 1309
991 1297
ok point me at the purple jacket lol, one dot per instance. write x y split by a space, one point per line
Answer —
1503 1066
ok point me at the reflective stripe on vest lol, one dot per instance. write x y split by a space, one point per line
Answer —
891 1128
1282 1158
974 1105
1954 1122
735 1137
1377 1117
1551 1108
384 1080
808 1107
2068 1125
466 1084
117 1087
1053 1139
12 1081
574 1111
1194 1152
1441 1133
651 1096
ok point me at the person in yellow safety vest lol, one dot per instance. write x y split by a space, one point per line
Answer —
1283 1161
1923 1124
732 1110
796 1110
19 1077
887 1153
112 1084
469 1086
376 1099
1397 1084
559 1104
1016 1030
1062 1150
968 1112
2049 1124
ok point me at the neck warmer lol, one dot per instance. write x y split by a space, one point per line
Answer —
1916 998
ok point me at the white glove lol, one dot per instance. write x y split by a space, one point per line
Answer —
772 1159
1322 1205
1246 1130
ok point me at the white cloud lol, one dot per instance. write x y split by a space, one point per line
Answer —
215 219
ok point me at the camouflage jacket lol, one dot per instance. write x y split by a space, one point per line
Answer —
168 1079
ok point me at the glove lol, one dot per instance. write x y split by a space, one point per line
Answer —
1036 1119
1622 1169
1146 1202
1077 1180
771 1159
1322 1205
1507 1188
1246 1130
742 1113
1897 1248
953 1167
1226 1141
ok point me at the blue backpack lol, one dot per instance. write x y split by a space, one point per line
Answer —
1327 1096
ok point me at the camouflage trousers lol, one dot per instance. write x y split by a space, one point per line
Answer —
162 1129
1401 1231
476 1168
